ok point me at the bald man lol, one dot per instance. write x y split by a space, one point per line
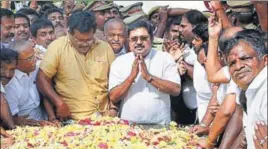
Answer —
115 35
21 92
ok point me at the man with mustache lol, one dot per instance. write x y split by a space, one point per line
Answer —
247 61
149 77
21 92
115 33
43 34
7 26
79 64
22 27
55 15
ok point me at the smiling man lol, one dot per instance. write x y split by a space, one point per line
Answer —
115 33
55 15
149 77
79 64
7 26
247 60
22 27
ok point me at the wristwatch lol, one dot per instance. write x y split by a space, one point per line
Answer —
203 124
150 79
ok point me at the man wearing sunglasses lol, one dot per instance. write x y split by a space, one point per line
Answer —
79 64
149 77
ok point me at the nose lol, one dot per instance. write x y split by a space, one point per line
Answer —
238 65
108 15
116 37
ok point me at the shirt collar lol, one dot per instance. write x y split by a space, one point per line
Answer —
123 51
94 44
19 74
257 83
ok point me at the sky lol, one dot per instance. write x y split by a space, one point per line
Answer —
147 5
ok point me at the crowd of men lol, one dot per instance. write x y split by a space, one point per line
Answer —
74 60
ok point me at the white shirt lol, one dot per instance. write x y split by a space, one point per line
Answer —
122 52
2 88
202 88
23 97
256 95
144 103
189 94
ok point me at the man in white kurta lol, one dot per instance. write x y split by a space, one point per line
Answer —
144 103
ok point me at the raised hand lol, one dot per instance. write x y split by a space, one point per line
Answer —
144 72
135 68
216 5
214 27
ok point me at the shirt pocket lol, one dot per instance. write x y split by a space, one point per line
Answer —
98 68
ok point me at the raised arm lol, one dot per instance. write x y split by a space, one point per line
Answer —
177 11
261 8
214 69
220 13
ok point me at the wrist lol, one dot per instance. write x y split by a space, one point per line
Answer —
210 142
149 78
214 38
202 124
52 118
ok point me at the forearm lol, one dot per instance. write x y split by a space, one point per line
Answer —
213 65
119 91
208 118
190 71
45 86
235 144
5 114
165 86
49 109
231 133
161 27
261 8
222 15
177 11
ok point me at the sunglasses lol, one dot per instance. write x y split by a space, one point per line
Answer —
142 38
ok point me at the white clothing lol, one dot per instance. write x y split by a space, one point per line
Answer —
2 88
122 52
202 88
23 97
144 103
256 96
189 94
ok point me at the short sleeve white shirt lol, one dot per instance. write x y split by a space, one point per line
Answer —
23 97
144 103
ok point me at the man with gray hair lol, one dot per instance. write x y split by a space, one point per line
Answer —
21 92
115 34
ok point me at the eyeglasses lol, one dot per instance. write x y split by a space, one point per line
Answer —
31 58
77 41
142 38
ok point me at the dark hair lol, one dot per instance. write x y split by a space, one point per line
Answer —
176 20
45 7
195 17
252 37
8 55
244 17
28 11
204 47
82 21
6 13
21 15
38 24
139 24
201 30
52 10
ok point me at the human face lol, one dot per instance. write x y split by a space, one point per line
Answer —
7 29
115 13
45 36
197 42
57 20
201 57
102 17
173 33
82 42
7 71
22 30
244 65
140 41
32 18
186 30
116 36
155 18
27 59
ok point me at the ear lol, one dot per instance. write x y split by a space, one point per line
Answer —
265 59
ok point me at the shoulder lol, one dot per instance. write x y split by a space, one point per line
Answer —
162 55
124 59
58 44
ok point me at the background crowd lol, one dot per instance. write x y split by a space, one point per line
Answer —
74 59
